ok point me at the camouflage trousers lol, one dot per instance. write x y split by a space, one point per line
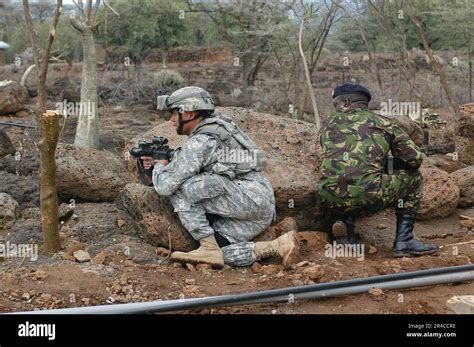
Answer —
402 190
238 217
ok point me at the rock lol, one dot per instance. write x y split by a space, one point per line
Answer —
302 263
381 226
6 145
8 207
177 265
89 174
440 194
100 258
164 252
75 246
466 221
463 304
464 179
372 249
293 153
376 292
256 267
270 269
273 232
82 256
12 97
204 267
27 165
407 261
466 121
446 162
190 267
38 275
26 231
155 216
314 272
25 190
95 221
465 149
132 248
190 281
31 212
120 223
464 135
128 262
294 157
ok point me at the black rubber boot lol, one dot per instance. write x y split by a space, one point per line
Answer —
405 244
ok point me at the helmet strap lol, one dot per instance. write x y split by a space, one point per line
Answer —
182 122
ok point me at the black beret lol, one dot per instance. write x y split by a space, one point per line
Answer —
349 88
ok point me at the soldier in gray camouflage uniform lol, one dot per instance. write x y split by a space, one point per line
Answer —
216 187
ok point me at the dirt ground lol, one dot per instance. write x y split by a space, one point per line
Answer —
56 282
126 269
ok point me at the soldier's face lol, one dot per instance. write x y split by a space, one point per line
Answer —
186 116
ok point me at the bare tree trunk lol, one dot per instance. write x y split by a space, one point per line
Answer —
437 66
164 58
87 132
48 129
247 92
48 194
308 79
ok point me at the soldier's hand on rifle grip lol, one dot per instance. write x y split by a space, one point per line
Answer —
148 162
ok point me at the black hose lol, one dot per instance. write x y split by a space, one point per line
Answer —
255 297
232 299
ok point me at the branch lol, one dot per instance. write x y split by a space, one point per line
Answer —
308 77
31 30
111 9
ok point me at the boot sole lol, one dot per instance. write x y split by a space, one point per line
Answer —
291 257
195 262
413 254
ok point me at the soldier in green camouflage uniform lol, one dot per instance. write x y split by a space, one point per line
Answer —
357 176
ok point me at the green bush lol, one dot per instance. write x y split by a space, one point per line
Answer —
166 78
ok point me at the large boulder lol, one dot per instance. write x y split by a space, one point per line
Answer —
294 158
24 189
464 179
440 193
294 153
155 216
12 97
8 207
445 162
464 138
89 174
6 145
27 164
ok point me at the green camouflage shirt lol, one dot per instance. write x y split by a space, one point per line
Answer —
356 145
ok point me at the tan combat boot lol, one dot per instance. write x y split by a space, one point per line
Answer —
208 252
286 246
